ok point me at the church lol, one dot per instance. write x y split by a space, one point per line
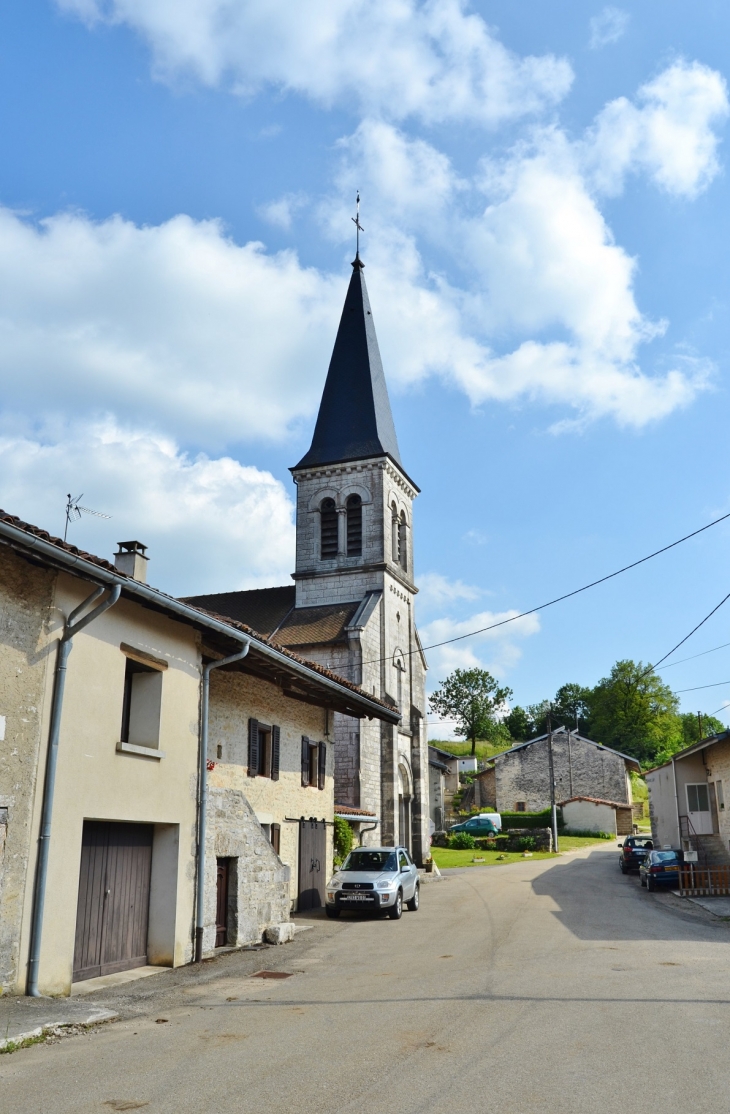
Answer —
351 607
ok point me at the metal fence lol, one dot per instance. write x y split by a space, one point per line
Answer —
700 881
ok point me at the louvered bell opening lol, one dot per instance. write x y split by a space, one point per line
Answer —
328 520
354 526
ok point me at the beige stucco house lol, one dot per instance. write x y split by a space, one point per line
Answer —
112 815
687 800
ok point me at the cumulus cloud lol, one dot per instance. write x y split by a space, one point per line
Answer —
434 590
211 524
670 134
496 650
546 308
608 27
173 327
431 59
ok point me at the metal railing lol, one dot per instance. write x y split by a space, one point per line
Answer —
689 835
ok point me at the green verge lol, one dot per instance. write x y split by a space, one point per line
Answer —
445 858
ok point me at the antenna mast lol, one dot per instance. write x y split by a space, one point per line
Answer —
74 512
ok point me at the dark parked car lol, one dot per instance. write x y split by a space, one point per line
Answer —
660 868
633 852
476 826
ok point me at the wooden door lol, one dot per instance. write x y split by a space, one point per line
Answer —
312 864
223 869
698 808
114 898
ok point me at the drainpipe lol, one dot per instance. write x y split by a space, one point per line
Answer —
203 808
676 803
72 627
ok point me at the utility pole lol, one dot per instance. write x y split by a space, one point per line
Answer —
553 806
699 721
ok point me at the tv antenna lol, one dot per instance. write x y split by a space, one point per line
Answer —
74 510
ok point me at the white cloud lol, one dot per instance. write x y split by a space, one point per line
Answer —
282 211
495 650
434 590
547 311
670 135
172 327
608 27
427 58
210 524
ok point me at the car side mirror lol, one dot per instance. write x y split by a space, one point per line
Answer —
404 868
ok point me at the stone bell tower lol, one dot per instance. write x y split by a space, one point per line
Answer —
354 581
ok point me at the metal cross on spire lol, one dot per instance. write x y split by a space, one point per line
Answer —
358 226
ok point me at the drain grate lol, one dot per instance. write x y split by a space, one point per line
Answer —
272 975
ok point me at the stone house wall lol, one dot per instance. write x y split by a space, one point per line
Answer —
26 595
581 769
234 698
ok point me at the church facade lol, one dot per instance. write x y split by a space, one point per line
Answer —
351 607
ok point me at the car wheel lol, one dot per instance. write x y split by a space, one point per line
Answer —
650 885
642 879
624 868
413 903
332 911
396 912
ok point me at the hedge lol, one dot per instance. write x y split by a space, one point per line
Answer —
542 819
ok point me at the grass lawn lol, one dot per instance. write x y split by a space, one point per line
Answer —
444 858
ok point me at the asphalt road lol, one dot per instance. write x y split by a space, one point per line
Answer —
557 987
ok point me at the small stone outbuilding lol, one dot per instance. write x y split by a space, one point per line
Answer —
591 814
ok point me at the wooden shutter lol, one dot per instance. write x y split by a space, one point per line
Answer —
276 837
322 763
275 749
253 747
305 760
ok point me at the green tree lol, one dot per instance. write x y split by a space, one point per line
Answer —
572 706
634 711
473 699
520 725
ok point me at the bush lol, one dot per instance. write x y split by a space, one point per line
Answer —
462 841
528 819
585 832
342 840
526 843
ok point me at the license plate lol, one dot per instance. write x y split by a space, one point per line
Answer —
356 897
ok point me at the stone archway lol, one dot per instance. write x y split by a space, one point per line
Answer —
405 799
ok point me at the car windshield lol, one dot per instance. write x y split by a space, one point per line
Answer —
370 860
663 856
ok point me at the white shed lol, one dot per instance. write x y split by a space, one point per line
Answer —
591 814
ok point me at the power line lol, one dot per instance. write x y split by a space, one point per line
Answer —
696 688
687 636
692 658
575 592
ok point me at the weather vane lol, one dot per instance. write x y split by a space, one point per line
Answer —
358 226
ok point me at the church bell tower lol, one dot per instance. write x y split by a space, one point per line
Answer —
354 571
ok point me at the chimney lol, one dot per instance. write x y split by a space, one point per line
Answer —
132 560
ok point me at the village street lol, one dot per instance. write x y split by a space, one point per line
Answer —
536 987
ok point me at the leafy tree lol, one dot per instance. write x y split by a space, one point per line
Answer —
691 728
473 699
572 706
634 711
520 724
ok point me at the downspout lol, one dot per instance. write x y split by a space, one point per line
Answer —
676 804
203 807
64 649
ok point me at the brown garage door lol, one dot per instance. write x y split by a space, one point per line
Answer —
312 864
114 898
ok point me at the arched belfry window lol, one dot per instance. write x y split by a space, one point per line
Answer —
394 531
354 526
403 541
328 528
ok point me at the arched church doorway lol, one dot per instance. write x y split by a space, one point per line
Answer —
405 797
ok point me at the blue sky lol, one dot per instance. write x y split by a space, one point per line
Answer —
545 198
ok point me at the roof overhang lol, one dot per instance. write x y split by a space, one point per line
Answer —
298 679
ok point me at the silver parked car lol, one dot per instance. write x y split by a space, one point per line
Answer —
374 878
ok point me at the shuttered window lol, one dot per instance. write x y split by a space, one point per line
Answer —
305 760
321 765
253 747
403 541
354 526
276 837
394 532
328 529
275 752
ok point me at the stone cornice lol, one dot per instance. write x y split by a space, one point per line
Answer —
356 570
349 468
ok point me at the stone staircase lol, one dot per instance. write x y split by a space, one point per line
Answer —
711 850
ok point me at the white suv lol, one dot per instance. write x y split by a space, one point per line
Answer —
374 878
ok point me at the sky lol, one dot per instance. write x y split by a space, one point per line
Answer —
546 212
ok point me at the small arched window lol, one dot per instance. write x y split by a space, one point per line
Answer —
403 541
328 528
394 531
354 526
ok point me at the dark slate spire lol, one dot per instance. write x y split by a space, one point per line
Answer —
354 419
